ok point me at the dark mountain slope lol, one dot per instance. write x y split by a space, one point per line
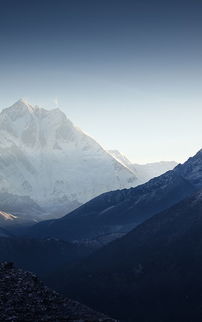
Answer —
151 274
40 256
4 233
114 213
23 297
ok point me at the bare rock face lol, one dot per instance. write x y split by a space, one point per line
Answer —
23 297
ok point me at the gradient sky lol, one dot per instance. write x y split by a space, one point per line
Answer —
129 73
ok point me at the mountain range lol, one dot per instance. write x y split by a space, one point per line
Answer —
133 253
153 263
49 167
151 274
115 213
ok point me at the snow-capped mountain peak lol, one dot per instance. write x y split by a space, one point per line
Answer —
19 107
45 157
35 127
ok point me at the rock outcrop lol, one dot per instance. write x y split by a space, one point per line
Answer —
23 297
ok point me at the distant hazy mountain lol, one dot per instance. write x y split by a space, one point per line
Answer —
144 172
46 159
115 213
151 274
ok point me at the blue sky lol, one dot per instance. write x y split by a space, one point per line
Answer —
129 73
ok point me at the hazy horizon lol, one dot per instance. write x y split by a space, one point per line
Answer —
128 73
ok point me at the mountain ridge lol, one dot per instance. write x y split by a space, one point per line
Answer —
147 171
157 266
116 213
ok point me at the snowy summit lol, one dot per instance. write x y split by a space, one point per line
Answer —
44 157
